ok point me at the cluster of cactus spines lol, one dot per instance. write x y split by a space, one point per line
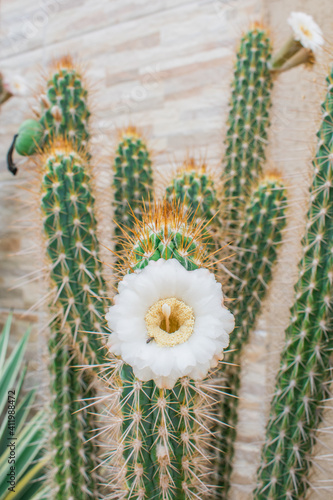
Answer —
64 111
248 122
303 379
256 253
78 308
161 443
132 181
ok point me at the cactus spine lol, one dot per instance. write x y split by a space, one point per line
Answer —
162 433
304 375
256 253
132 181
248 122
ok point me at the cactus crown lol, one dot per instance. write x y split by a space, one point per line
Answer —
165 231
64 110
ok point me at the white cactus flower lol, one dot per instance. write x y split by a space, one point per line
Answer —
167 322
306 31
15 85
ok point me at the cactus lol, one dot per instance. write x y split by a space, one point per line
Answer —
161 446
132 182
248 123
77 307
256 253
195 187
304 374
63 113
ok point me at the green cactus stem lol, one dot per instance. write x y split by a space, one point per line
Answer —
77 307
256 253
195 187
162 439
64 111
305 369
132 181
248 123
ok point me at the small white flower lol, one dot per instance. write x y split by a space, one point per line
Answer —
16 85
306 31
168 322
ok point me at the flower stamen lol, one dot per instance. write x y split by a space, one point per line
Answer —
169 322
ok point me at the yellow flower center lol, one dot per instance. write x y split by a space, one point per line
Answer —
306 31
169 322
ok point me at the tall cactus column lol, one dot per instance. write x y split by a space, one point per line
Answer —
247 200
169 327
256 253
77 289
132 181
78 309
248 122
305 369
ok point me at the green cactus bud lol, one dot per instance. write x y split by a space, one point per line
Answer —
29 137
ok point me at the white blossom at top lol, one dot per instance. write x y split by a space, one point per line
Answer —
167 322
16 85
306 31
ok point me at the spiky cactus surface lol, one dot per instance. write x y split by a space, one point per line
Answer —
63 111
256 253
194 186
77 308
248 122
162 438
304 375
132 181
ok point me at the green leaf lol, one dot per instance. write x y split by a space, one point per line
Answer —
11 369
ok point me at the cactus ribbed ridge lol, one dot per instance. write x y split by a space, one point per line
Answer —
132 181
305 369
